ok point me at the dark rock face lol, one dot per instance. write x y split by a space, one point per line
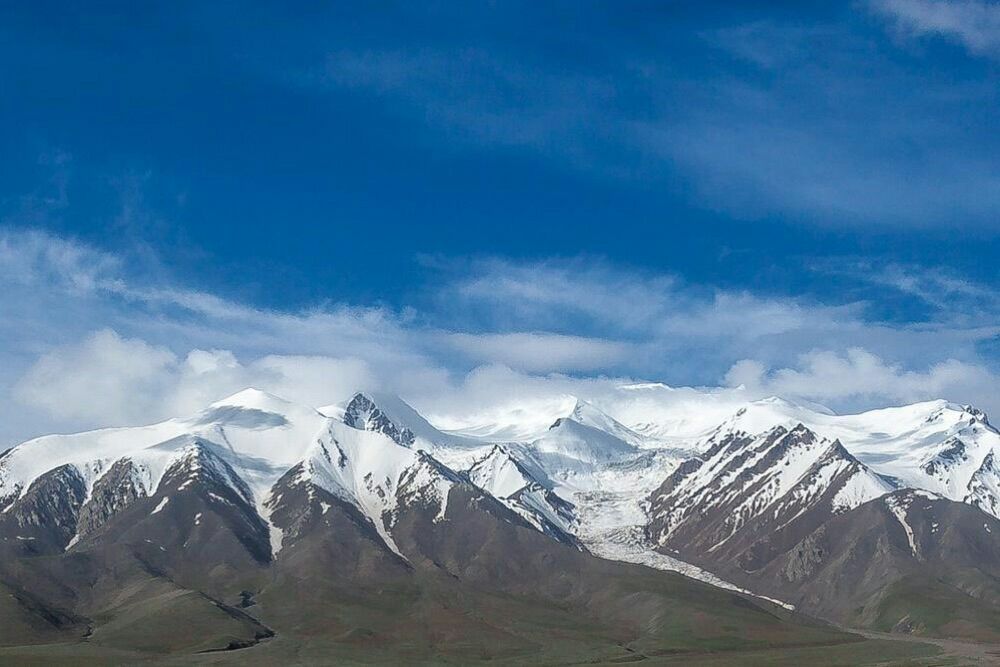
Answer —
740 517
324 533
535 499
805 557
190 569
847 568
45 517
362 413
451 576
953 453
875 565
201 484
112 493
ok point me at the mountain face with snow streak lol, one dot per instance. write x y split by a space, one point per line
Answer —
257 517
363 413
935 446
798 516
770 496
752 494
910 562
241 447
527 493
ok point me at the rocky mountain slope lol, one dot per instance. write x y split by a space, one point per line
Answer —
748 496
798 516
258 521
258 517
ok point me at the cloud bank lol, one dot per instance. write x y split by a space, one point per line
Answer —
89 344
975 24
828 126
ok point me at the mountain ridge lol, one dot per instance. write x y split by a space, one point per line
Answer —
253 484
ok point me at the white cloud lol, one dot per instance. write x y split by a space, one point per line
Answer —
682 332
107 379
31 257
86 345
810 142
859 378
107 376
973 23
541 351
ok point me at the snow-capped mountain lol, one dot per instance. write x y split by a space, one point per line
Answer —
747 488
588 415
936 446
255 499
364 413
568 479
744 496
530 493
792 515
244 444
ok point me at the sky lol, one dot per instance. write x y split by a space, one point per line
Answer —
462 202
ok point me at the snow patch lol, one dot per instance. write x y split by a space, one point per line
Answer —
899 506
161 505
215 496
627 545
276 537
859 489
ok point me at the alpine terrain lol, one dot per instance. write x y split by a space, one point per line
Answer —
649 522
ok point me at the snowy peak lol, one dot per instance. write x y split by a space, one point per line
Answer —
588 415
197 462
936 446
569 444
374 473
954 413
510 481
254 409
774 477
757 417
362 412
976 414
255 399
500 474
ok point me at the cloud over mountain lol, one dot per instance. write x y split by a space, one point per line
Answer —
91 343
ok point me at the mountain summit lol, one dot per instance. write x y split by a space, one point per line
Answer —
258 516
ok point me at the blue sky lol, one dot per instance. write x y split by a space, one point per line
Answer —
800 197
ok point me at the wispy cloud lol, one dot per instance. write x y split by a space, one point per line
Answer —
542 351
950 297
808 137
860 377
975 24
88 343
478 98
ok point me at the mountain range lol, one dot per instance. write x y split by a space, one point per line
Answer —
651 522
